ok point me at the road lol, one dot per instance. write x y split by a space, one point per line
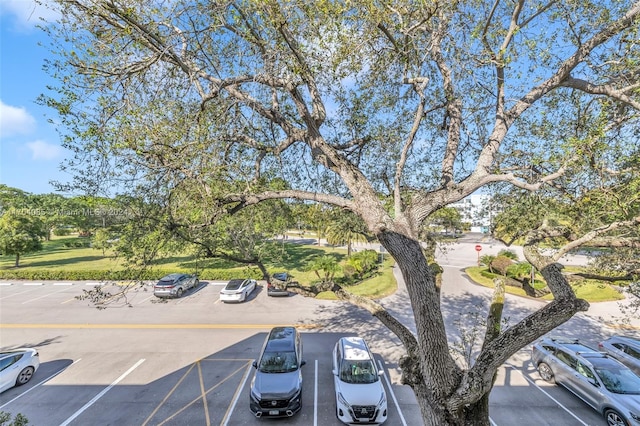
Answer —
188 361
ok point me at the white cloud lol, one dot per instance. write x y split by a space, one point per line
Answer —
28 12
15 121
41 150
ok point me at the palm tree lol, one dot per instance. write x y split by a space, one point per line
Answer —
345 229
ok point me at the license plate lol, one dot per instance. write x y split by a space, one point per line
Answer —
274 412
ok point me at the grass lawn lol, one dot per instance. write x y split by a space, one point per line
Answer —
589 290
291 256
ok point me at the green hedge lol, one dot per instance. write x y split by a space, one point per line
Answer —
123 274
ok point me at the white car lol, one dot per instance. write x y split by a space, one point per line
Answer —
17 366
237 290
360 395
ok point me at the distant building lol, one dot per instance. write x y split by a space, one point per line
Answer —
476 210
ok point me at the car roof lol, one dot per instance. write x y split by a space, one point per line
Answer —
625 339
354 348
12 352
281 339
574 346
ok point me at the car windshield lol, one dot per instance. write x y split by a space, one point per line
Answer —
233 285
619 380
278 362
358 371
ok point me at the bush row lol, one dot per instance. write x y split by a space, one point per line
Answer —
123 274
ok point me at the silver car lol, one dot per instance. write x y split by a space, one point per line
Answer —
598 379
624 349
175 285
17 367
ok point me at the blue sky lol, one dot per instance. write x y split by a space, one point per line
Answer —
30 151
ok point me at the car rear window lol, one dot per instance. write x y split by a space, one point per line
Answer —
234 284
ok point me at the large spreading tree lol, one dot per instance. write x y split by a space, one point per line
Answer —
389 109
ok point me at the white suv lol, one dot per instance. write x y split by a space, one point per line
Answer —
360 395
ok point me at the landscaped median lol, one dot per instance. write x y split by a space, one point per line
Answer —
589 290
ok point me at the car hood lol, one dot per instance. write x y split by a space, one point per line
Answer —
631 402
361 393
277 385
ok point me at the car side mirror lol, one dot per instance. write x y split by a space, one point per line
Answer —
303 362
335 372
255 364
380 372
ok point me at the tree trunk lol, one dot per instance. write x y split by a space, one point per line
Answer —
438 375
17 264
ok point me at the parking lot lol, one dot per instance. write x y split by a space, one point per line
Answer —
155 362
145 361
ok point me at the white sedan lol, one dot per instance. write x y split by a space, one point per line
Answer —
237 290
17 367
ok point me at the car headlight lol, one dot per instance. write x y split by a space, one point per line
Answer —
342 400
383 400
634 416
255 394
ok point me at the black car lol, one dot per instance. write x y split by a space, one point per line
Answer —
277 285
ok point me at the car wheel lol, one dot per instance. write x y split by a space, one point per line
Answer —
614 419
197 284
545 372
24 376
179 293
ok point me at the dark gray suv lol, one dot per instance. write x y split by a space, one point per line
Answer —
276 388
598 379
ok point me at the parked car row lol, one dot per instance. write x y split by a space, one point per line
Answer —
606 380
236 290
276 387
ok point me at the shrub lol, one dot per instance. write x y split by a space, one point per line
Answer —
500 264
61 232
510 254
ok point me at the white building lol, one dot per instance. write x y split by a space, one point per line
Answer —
475 209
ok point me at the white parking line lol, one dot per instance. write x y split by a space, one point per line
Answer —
225 421
550 397
6 283
62 283
40 297
93 284
104 391
18 294
33 284
393 395
39 384
315 397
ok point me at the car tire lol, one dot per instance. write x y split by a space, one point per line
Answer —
546 373
614 418
25 375
197 284
179 293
